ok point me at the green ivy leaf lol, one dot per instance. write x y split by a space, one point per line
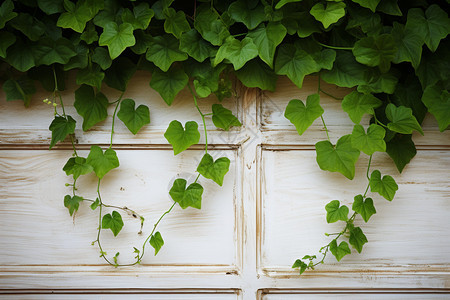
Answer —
91 76
376 51
48 51
282 3
389 7
133 119
209 26
113 221
370 4
223 117
92 107
169 84
339 251
72 203
256 73
77 166
29 26
20 89
89 35
301 265
372 141
363 20
295 63
249 13
303 116
80 60
401 149
156 241
60 128
357 239
237 52
75 17
120 73
117 38
193 44
267 38
214 170
180 138
437 100
408 93
164 51
364 207
335 212
346 71
402 119
409 45
340 158
328 15
19 56
379 83
102 162
6 39
432 27
176 22
143 41
140 17
6 12
185 197
356 105
385 186
102 58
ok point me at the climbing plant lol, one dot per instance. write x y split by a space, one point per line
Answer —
393 54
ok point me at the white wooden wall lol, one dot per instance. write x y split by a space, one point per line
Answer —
269 212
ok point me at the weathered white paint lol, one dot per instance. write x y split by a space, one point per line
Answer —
243 241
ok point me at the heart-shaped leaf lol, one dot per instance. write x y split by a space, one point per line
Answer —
357 239
156 241
90 105
223 117
77 166
60 128
437 100
303 116
402 119
102 162
20 89
185 197
386 187
372 141
364 207
339 251
193 44
237 52
175 22
181 139
72 203
356 105
328 15
335 212
169 84
376 51
214 170
133 119
113 221
267 38
165 50
117 38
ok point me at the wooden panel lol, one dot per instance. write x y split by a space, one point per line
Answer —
36 229
338 123
30 126
408 234
357 295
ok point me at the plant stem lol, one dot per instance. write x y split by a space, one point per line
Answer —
329 95
203 118
114 118
332 47
321 116
102 253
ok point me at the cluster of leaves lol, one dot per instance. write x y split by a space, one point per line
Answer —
393 53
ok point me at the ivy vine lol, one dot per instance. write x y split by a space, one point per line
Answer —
393 53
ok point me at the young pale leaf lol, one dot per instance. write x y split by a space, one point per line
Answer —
303 116
335 212
370 4
6 39
346 71
156 241
237 52
214 170
60 128
295 63
248 13
140 17
364 207
401 149
95 204
176 22
77 166
193 44
117 38
20 89
91 76
169 84
376 51
385 186
339 251
409 45
432 27
402 119
437 100
120 72
330 14
185 197
6 12
113 221
91 106
372 141
164 50
357 239
356 105
134 119
102 162
266 39
223 117
72 203
301 265
181 139
256 73
340 158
